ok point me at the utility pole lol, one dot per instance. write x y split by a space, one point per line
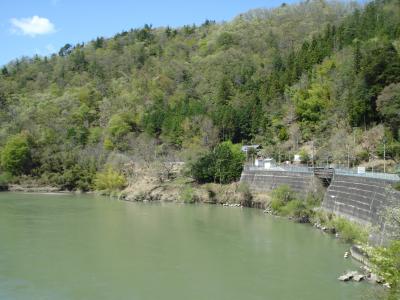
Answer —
384 155
313 154
348 156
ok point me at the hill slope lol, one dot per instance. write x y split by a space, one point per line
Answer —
283 78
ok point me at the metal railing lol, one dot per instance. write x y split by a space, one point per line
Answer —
308 169
379 175
287 168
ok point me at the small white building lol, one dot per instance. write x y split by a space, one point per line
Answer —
269 163
266 163
297 159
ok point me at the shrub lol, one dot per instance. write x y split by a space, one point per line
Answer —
350 232
187 195
246 195
284 193
277 205
387 261
203 169
5 178
16 155
304 156
314 199
280 197
224 164
362 156
76 177
109 180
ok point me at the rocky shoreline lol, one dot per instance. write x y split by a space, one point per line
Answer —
34 189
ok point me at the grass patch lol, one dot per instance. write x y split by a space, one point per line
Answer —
349 232
187 195
5 179
285 203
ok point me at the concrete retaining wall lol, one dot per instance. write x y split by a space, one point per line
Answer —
357 198
267 180
360 199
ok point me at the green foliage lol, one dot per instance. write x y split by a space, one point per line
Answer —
247 196
74 178
109 180
298 210
187 195
387 260
281 196
285 203
118 127
226 40
304 156
203 170
388 105
318 66
228 159
16 155
349 231
5 178
95 135
224 164
283 193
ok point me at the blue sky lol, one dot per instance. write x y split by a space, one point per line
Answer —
29 27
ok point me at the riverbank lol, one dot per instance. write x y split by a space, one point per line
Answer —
182 189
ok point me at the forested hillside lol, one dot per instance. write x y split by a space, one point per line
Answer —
318 73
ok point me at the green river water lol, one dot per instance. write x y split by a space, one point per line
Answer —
86 247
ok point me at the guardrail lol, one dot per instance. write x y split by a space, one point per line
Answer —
378 175
300 169
340 171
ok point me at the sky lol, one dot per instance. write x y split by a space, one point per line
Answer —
29 27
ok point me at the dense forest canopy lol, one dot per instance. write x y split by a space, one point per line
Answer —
319 72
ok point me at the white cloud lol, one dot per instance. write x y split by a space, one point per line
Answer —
32 26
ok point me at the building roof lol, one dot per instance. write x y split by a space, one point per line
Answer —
245 148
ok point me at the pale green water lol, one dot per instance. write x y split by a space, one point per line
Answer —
83 247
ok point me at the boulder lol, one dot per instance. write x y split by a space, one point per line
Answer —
358 277
347 276
387 285
344 277
375 278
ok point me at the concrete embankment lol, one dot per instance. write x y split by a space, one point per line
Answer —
268 180
360 199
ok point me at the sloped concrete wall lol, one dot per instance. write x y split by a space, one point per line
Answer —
360 199
267 180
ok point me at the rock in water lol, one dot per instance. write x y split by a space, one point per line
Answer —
375 278
344 277
358 277
348 276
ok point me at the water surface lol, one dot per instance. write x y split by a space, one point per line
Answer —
85 247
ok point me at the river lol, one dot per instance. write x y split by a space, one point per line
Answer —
86 247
